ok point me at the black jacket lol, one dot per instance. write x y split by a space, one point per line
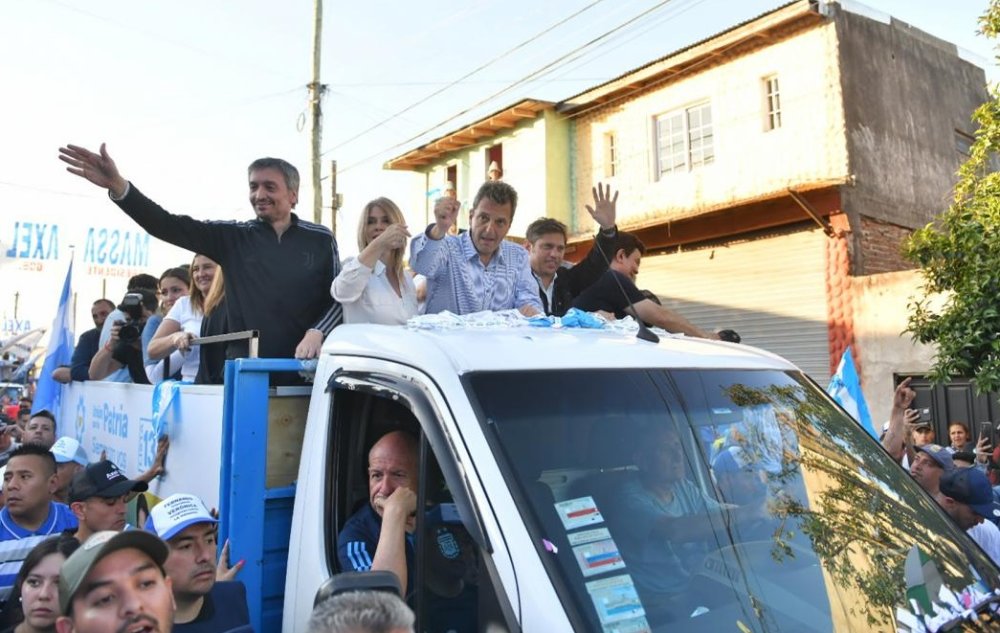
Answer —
280 287
571 281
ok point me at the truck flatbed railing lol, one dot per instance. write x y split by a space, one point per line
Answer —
256 501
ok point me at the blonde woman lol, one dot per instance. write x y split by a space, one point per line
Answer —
211 370
183 323
373 287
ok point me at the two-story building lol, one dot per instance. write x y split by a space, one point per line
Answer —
765 168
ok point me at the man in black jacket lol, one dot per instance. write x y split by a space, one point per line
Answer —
559 284
278 268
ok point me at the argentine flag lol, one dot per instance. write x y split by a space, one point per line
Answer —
59 352
845 388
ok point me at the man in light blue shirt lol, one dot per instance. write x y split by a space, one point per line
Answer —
477 270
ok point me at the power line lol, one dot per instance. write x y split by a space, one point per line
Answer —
465 76
666 17
403 84
541 71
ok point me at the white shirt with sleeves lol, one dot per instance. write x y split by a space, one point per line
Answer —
368 297
987 535
190 321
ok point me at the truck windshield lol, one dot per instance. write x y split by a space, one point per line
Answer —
728 500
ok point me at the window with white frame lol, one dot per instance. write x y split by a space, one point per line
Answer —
772 103
684 139
610 155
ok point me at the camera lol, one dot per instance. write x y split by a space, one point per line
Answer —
129 331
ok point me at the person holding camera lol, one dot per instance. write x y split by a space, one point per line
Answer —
124 346
135 283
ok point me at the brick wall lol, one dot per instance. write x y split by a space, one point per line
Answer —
880 244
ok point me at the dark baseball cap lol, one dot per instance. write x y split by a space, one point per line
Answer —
102 479
971 487
74 571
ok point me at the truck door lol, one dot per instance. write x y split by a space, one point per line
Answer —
453 582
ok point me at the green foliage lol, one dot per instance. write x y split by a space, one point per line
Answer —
959 256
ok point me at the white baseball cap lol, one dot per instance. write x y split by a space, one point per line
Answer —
175 513
68 449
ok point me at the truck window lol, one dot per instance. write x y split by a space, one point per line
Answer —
449 588
716 500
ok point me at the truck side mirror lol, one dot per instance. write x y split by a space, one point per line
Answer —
358 581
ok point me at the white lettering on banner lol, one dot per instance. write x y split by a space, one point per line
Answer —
33 240
117 418
16 326
116 247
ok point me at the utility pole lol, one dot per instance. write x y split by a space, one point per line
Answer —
316 90
336 200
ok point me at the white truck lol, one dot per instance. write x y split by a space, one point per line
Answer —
573 480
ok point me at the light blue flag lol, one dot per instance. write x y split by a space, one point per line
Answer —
845 388
59 352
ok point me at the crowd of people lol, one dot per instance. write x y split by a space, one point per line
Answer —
285 279
82 550
960 476
80 547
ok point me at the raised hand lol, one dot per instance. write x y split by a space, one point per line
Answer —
395 236
603 211
445 214
99 168
904 396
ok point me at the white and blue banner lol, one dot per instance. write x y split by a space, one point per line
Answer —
118 419
845 388
59 352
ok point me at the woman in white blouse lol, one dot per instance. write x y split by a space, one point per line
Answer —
183 323
373 287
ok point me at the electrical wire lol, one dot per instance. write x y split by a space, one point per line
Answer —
546 68
452 84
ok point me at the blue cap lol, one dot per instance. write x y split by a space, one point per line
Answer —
971 487
939 454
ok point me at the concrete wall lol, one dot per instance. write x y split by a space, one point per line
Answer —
749 161
535 163
905 95
882 348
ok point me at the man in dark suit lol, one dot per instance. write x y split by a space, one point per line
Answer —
559 283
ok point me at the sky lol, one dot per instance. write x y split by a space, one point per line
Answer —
186 93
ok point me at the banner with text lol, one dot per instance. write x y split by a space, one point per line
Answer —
118 419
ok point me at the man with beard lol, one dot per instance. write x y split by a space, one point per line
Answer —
115 582
203 605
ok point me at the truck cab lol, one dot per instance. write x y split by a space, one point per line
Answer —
576 480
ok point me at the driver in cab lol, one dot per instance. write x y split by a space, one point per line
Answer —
381 536
663 513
